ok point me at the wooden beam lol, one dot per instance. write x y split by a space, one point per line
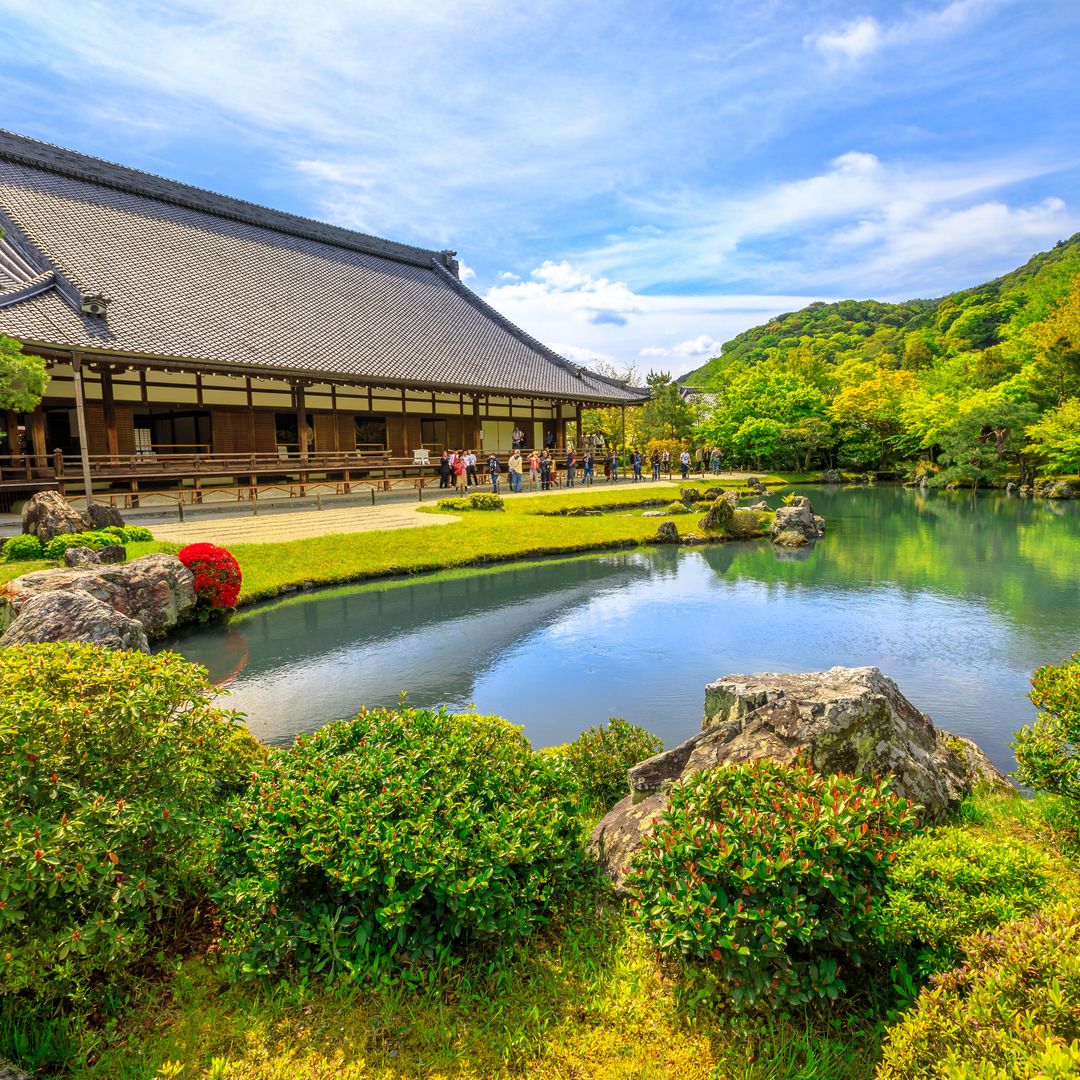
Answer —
334 417
577 443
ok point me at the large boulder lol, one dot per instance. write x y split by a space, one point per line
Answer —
851 720
666 534
1058 490
794 521
49 514
719 518
80 558
101 516
73 616
157 590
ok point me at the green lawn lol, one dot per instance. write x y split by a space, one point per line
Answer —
527 528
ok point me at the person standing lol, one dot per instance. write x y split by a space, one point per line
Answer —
460 479
614 463
517 438
514 465
684 462
665 463
534 469
571 466
470 469
493 472
587 468
545 471
445 471
655 464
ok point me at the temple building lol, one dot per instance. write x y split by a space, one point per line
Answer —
196 339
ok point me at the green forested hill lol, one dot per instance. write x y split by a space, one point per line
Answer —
871 328
965 387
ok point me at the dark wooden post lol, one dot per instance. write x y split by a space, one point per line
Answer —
108 401
301 422
80 416
12 424
37 435
577 441
478 426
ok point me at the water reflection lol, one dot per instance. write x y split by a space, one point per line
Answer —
957 600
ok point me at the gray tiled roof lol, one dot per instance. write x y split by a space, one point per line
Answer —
197 276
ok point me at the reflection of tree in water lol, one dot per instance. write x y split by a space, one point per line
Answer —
1010 551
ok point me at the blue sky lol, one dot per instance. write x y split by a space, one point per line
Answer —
634 182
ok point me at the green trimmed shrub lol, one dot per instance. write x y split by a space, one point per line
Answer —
772 875
56 547
392 839
23 548
677 507
598 758
137 534
747 523
478 500
1011 1011
110 763
1048 751
950 883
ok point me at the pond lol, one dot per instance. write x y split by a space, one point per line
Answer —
957 599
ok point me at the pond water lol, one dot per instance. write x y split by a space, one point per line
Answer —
957 599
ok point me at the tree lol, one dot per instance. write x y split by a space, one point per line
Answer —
987 429
1057 343
22 378
869 415
1047 750
617 425
1055 439
667 414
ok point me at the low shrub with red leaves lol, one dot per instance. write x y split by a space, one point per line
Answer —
217 575
770 875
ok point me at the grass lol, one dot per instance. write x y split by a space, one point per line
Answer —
527 528
585 999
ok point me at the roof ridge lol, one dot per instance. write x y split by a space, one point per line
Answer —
478 301
58 159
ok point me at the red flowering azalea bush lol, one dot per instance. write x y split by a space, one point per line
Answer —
217 575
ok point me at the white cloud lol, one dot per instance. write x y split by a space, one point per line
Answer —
856 40
559 302
861 223
703 346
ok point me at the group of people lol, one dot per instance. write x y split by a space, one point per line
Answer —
458 468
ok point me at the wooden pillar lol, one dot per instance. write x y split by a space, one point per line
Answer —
37 435
12 425
108 401
334 419
577 428
80 416
478 425
251 418
301 421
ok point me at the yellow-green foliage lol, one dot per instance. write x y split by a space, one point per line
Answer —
111 766
1012 1009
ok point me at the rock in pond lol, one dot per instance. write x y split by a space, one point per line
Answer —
794 520
851 720
49 514
73 616
157 590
